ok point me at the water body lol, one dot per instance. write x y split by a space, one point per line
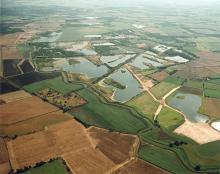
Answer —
189 104
83 67
51 38
141 61
133 88
115 60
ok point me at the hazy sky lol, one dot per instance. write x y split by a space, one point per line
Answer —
125 3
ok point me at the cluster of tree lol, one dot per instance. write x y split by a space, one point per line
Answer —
156 123
26 168
177 143
54 53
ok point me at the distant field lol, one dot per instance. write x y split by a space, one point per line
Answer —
163 158
73 33
56 84
55 167
169 119
144 104
109 116
210 107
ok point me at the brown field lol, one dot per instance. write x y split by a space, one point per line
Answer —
86 151
138 166
10 53
60 100
4 159
24 109
211 107
87 161
9 39
116 146
55 140
207 65
33 125
2 102
14 96
159 76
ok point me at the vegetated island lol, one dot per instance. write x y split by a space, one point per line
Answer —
112 82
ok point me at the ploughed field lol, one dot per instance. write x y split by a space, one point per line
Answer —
76 143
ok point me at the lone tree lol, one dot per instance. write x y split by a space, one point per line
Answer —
197 168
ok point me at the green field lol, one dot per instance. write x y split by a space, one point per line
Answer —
55 167
194 84
215 81
206 155
163 158
111 116
56 84
162 89
166 86
212 93
144 104
169 119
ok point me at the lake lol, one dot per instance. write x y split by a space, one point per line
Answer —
189 104
83 67
132 89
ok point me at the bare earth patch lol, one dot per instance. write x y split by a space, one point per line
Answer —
4 159
138 166
200 132
159 76
14 96
24 109
116 146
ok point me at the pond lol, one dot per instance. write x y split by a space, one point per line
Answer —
132 89
83 66
189 104
115 60
143 62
